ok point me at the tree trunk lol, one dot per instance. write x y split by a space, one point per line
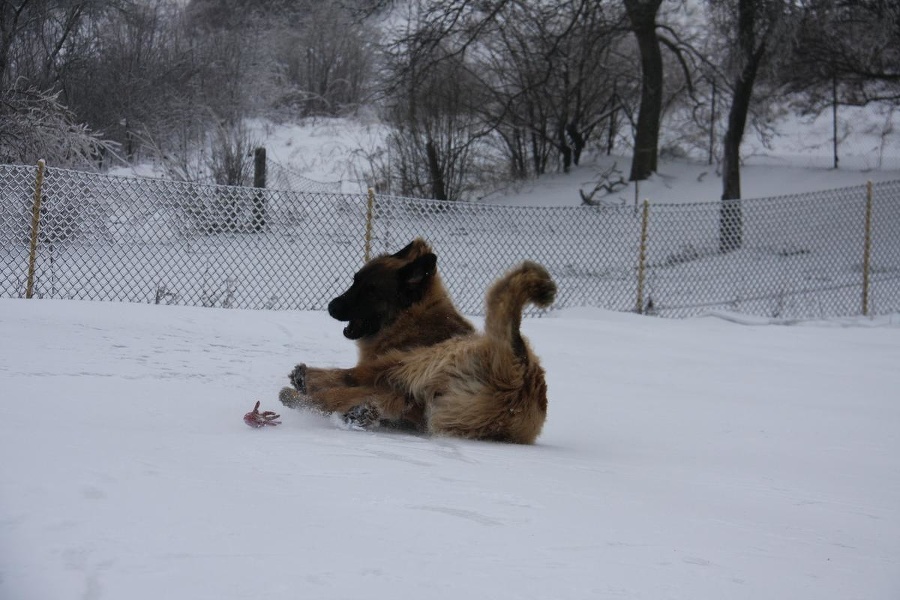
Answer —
578 143
613 122
518 169
438 188
540 162
731 218
646 140
564 149
259 181
731 226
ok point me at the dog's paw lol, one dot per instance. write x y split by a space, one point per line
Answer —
298 378
361 417
291 398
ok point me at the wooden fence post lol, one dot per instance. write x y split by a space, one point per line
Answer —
642 259
370 211
35 228
867 249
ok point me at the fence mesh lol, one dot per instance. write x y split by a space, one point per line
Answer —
156 241
800 256
284 178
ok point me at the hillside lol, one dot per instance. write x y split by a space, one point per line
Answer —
337 150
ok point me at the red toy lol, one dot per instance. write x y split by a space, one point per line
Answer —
258 419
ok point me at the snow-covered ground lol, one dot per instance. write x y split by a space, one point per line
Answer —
678 182
707 458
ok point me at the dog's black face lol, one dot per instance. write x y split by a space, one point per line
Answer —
381 290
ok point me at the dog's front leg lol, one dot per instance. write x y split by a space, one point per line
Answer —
331 390
297 377
296 395
360 391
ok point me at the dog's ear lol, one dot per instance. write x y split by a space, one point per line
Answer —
413 249
405 251
418 271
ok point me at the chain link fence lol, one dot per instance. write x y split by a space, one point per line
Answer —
96 237
285 178
801 256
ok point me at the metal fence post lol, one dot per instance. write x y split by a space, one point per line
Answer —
642 259
370 210
867 249
35 228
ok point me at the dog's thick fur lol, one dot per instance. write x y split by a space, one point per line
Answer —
396 302
423 363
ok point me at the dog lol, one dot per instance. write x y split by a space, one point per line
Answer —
396 302
415 367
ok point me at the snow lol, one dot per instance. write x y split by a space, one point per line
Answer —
681 182
706 458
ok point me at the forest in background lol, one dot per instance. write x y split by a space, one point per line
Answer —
470 91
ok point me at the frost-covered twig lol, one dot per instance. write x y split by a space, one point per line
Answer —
35 125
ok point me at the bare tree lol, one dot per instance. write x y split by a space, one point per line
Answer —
37 38
434 132
544 71
515 72
137 62
752 28
231 154
848 44
324 61
35 125
642 15
34 35
551 73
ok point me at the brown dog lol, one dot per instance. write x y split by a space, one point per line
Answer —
445 379
396 302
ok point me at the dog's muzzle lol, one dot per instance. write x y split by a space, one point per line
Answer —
337 310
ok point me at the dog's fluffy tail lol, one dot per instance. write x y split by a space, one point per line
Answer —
527 283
